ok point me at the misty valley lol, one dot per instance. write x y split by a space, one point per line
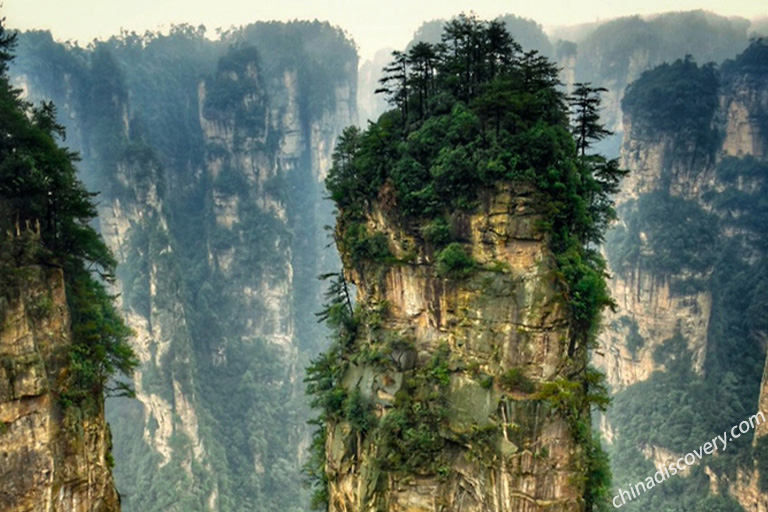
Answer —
498 269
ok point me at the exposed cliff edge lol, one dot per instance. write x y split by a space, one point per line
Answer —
685 349
54 458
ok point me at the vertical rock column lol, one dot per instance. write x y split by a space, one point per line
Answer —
455 372
51 458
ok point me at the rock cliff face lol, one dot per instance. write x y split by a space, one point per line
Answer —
744 106
647 306
680 257
210 157
54 459
501 448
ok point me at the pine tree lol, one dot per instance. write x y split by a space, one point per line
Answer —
585 105
395 82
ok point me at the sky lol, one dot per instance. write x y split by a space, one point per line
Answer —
373 24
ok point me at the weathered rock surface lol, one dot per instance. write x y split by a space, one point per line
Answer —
504 316
52 458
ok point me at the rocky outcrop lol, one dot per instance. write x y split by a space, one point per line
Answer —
646 307
370 104
54 458
502 448
745 107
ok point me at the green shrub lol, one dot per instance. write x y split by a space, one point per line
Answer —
564 396
453 261
674 97
41 307
679 235
358 411
437 232
598 477
363 246
634 340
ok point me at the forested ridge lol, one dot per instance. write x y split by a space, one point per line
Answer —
219 419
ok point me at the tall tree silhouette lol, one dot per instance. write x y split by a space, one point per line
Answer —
585 107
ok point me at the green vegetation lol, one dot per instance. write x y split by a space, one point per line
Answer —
453 261
40 190
634 340
364 246
515 379
567 396
743 207
730 169
673 98
41 307
570 399
665 234
437 232
751 64
599 476
234 92
410 440
663 412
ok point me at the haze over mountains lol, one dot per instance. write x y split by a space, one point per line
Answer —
211 154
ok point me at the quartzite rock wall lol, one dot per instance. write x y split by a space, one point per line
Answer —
51 458
504 316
